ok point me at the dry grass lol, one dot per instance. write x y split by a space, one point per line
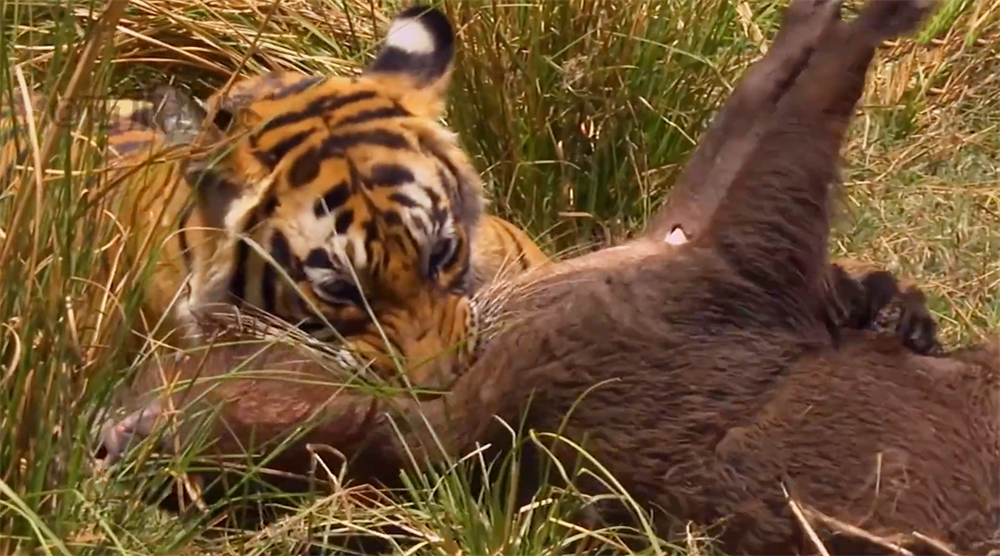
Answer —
579 113
922 172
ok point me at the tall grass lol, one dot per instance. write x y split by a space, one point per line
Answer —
563 99
578 112
56 255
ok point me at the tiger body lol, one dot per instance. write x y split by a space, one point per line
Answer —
141 174
325 201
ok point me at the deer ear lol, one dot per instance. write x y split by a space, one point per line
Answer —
180 117
181 120
418 54
174 114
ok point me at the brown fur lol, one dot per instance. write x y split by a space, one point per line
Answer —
921 427
735 130
856 299
707 378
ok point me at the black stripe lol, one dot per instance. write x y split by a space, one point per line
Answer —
420 225
403 200
392 218
272 156
182 236
318 258
438 214
448 183
304 169
333 199
315 109
274 84
268 205
462 282
254 143
341 291
268 286
434 198
448 164
390 175
383 138
281 251
380 265
282 255
521 259
286 91
353 174
371 236
383 113
238 281
343 221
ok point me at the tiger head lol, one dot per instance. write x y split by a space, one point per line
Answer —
363 201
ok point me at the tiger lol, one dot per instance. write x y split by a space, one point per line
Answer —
138 183
342 205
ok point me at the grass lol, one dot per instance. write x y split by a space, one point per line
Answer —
578 114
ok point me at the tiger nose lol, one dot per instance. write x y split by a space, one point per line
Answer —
431 338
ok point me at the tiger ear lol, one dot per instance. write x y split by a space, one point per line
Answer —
418 54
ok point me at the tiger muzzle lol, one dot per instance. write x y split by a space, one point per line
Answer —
433 340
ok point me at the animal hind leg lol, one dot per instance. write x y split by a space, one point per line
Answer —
772 227
738 126
723 150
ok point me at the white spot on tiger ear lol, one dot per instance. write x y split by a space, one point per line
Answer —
410 36
676 237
